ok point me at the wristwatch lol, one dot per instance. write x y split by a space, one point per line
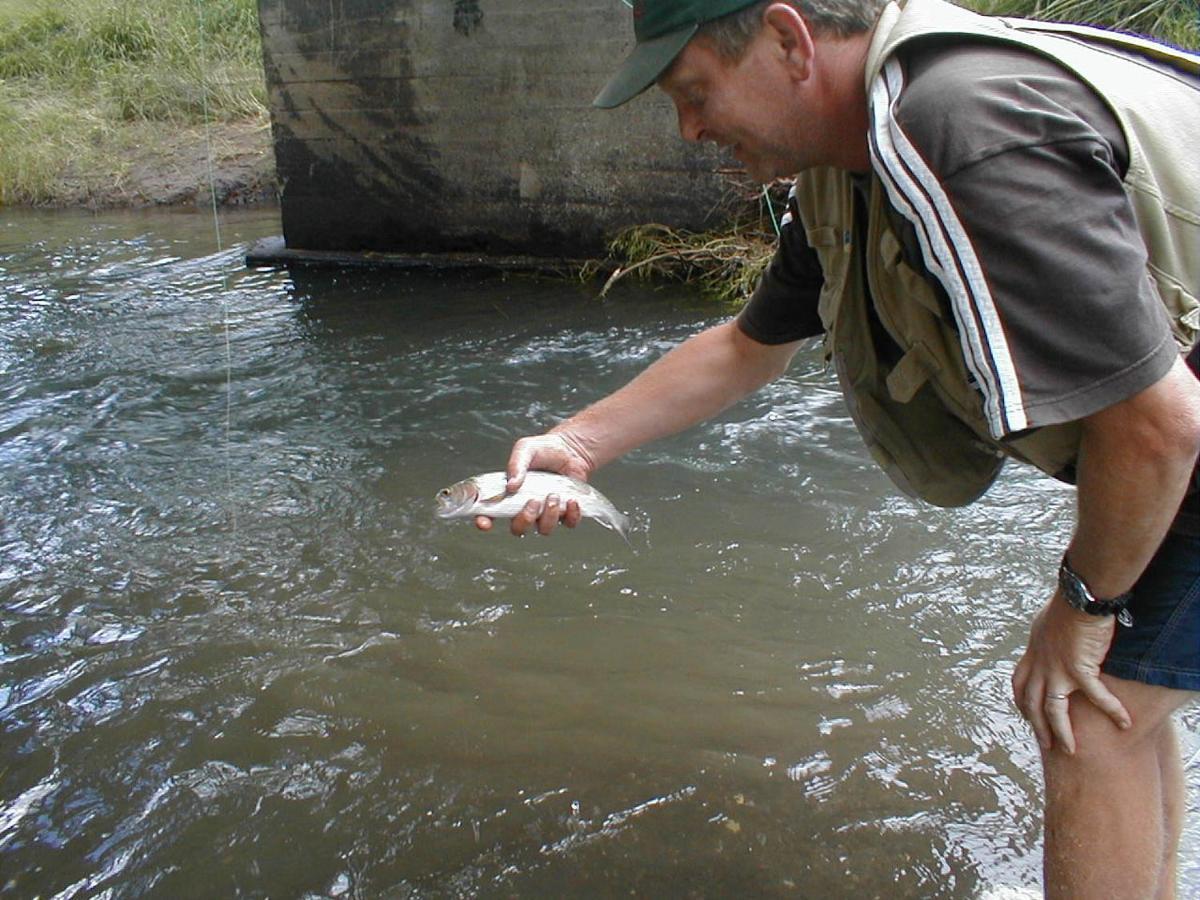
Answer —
1080 597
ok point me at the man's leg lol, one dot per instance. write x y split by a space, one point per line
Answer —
1114 809
1175 796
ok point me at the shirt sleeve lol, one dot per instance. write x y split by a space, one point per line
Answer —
1012 171
783 307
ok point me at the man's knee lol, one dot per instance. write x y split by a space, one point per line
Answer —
1100 743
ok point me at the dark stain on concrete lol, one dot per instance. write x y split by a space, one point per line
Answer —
467 16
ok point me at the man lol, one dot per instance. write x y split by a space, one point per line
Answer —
996 227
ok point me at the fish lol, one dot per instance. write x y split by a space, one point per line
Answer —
487 495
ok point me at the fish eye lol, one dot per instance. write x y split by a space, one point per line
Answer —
444 492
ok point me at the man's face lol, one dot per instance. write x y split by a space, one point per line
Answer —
747 106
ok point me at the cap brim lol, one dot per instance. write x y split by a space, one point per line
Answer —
642 67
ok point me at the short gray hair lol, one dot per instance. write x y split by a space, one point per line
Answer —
731 34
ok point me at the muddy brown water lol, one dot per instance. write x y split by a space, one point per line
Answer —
240 657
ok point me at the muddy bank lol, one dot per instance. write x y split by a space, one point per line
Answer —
242 168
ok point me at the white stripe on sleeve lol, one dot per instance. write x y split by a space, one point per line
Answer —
916 193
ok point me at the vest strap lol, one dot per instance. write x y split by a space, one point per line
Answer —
915 368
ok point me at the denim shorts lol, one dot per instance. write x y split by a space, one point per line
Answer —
1163 645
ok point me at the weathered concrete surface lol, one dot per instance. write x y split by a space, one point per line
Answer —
467 125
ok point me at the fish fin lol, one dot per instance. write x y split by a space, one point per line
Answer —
500 496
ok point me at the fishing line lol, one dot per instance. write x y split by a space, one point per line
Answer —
771 210
212 193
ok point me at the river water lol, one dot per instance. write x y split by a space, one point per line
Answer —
239 656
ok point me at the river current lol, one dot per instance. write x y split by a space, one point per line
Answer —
240 657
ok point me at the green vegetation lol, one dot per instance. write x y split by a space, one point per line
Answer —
1175 21
92 89
87 87
726 264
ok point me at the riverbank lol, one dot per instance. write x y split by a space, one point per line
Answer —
112 103
107 103
179 166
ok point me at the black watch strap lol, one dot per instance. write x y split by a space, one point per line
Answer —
1080 597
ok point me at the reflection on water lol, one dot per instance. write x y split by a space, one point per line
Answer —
239 655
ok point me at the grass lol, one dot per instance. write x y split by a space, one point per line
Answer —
1174 21
725 264
86 84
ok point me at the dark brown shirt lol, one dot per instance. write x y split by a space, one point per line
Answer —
1030 161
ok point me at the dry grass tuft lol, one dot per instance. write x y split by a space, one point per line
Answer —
725 263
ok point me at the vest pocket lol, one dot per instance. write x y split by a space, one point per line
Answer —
910 285
927 452
833 251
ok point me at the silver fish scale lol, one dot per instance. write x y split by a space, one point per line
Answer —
537 486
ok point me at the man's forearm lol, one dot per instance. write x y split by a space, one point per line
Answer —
694 381
1136 460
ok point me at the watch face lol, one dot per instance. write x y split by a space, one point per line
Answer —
1078 595
1074 589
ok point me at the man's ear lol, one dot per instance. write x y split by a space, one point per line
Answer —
792 36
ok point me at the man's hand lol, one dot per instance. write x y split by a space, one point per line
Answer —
1135 461
696 380
1066 648
552 452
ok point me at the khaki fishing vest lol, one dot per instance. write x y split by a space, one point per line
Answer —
922 418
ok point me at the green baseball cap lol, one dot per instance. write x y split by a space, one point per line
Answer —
662 29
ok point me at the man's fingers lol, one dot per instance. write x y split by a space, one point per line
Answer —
544 516
1053 713
549 517
543 451
1108 703
522 521
1058 707
518 464
1032 708
1020 677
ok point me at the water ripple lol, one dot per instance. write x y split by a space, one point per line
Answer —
237 647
